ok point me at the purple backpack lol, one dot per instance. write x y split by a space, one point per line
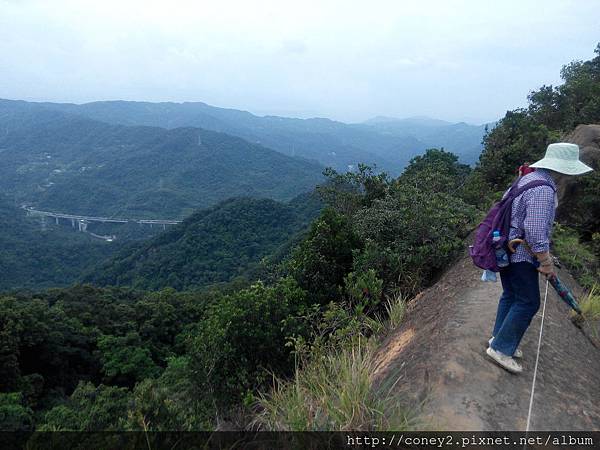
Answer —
498 218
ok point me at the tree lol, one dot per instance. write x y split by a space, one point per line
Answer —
125 360
243 340
517 138
320 263
89 408
348 191
435 171
410 235
169 401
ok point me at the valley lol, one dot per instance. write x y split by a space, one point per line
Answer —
183 267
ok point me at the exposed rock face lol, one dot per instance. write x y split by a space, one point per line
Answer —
588 139
436 358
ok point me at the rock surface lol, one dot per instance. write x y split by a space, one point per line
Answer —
588 139
438 357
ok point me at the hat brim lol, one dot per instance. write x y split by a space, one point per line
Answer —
562 166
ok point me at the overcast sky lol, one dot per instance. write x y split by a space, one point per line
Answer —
347 60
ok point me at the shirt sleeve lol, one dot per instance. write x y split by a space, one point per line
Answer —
539 215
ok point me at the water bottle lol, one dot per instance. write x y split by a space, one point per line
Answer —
501 255
488 275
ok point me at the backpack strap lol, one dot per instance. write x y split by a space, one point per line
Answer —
516 191
502 220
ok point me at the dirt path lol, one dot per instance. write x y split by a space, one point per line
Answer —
439 355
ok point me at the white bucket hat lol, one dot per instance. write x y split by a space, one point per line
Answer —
563 158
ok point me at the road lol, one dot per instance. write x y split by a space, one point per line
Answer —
97 218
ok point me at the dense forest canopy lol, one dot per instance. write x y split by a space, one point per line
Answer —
212 246
230 240
37 255
179 360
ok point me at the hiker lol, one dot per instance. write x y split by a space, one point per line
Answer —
532 215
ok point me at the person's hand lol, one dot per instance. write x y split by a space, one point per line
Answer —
546 269
546 261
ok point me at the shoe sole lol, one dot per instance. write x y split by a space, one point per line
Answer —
508 369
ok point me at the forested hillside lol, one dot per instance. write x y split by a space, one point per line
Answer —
32 257
331 143
211 246
72 164
170 360
459 138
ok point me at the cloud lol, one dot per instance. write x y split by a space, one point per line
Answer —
345 59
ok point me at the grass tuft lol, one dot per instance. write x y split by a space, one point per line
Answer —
335 388
578 257
395 308
334 393
590 311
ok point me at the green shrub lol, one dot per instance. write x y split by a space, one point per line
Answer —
324 258
243 338
364 290
125 360
14 414
576 256
168 402
435 171
411 235
89 408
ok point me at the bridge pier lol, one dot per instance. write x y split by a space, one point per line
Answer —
56 218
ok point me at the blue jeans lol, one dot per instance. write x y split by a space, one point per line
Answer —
519 302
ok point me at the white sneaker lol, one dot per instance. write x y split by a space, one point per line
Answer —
504 361
518 353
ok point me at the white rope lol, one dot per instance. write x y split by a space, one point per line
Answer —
537 359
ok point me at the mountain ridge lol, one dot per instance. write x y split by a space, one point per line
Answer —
211 246
55 159
332 143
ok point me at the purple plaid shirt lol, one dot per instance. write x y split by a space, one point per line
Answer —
533 215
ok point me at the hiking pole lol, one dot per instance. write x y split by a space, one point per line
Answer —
535 370
561 289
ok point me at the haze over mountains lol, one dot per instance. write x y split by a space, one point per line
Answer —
67 162
168 159
329 142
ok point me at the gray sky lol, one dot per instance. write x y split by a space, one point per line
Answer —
347 60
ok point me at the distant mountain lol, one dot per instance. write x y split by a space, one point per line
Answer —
415 121
36 256
70 163
209 247
331 143
460 138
